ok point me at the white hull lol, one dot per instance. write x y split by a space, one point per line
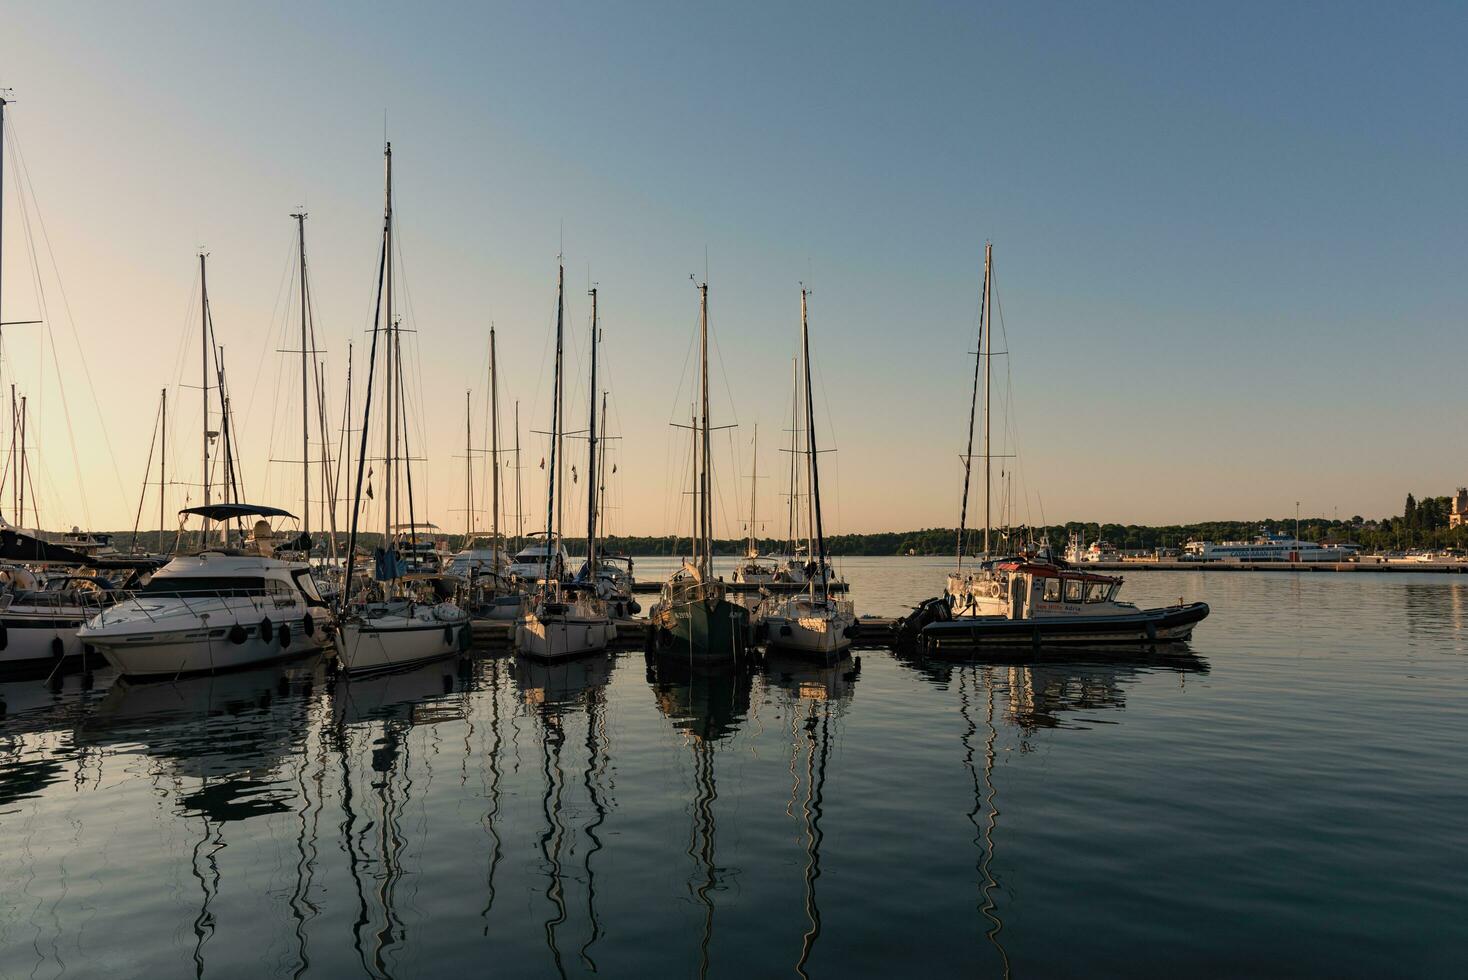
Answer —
559 637
819 637
200 651
43 642
393 642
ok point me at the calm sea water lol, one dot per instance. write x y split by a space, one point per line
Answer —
1291 799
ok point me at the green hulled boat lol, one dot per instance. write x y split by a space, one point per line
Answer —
693 617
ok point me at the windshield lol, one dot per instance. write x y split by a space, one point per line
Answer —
205 585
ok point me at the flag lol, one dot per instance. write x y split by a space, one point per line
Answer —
573 474
369 491
614 467
542 462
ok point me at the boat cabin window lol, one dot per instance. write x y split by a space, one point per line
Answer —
1052 590
1096 591
308 588
1072 590
204 585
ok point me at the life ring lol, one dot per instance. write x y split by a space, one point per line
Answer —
308 625
237 634
267 630
285 635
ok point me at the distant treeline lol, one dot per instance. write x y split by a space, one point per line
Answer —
1422 524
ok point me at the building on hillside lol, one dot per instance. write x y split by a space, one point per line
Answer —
1459 514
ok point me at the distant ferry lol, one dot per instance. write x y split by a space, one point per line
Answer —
1268 547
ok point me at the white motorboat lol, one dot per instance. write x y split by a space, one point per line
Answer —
214 611
401 633
39 621
530 562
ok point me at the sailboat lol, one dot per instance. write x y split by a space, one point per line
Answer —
752 569
396 628
568 619
810 622
482 565
977 590
692 613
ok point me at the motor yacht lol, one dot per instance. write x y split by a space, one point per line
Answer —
216 610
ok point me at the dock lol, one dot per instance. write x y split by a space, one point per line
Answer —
745 588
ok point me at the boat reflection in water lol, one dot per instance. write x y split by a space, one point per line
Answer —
556 692
819 697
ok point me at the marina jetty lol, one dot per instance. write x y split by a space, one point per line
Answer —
1367 564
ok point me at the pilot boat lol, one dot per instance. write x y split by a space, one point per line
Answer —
1045 602
220 609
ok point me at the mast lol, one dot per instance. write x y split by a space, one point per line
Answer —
162 457
753 477
988 383
792 529
705 512
815 469
550 502
204 379
389 471
968 455
21 473
519 508
468 471
300 217
494 450
591 457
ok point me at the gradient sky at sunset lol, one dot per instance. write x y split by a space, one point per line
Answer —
1229 240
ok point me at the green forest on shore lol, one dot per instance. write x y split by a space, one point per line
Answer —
1422 524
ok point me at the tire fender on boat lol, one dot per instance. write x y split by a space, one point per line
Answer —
1151 632
4 638
237 634
285 635
267 630
58 649
308 625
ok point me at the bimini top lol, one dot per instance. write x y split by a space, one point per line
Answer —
1045 569
229 512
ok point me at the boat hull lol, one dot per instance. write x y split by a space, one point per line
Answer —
561 638
363 648
1172 624
39 643
717 631
202 650
814 638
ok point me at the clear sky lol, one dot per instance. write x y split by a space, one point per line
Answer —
1229 239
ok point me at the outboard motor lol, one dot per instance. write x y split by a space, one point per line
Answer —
910 628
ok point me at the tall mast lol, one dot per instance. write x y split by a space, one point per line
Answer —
162 457
494 449
792 530
705 511
968 455
519 508
988 383
555 417
22 471
204 379
753 477
591 457
300 217
389 472
468 471
815 469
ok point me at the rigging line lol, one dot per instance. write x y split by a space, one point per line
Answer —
152 441
18 153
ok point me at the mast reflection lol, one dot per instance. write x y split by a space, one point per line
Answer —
556 694
706 704
817 696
